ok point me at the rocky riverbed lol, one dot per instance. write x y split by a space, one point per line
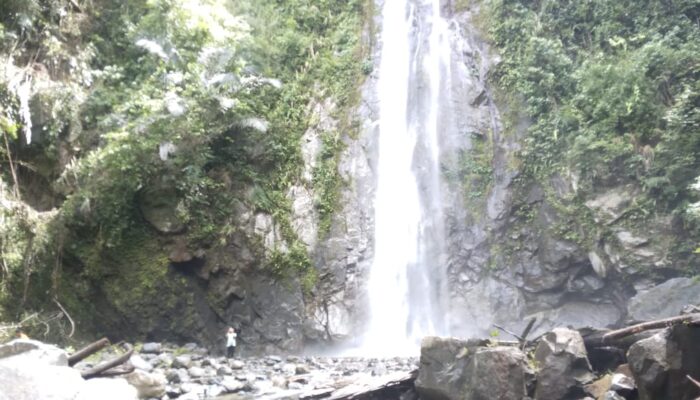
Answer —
653 360
190 372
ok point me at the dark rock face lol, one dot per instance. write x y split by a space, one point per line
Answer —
564 367
458 369
660 364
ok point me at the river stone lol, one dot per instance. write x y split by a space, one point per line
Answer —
139 363
660 364
665 300
152 348
147 385
564 366
232 385
183 361
196 372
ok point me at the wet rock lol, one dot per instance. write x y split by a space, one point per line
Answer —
564 366
664 300
661 364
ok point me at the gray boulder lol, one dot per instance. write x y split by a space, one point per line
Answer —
32 351
32 370
564 366
457 369
661 364
665 300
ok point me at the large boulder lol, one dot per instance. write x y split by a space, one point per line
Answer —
661 364
33 351
564 367
31 370
665 300
468 370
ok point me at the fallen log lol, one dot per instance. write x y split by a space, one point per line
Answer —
86 351
377 389
116 371
610 338
97 370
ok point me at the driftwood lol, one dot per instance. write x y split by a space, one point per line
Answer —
116 371
394 384
522 338
612 337
99 369
88 350
695 382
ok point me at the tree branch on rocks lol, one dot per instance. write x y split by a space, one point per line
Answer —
522 338
116 371
97 370
612 337
88 350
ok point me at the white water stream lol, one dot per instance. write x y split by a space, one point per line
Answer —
407 284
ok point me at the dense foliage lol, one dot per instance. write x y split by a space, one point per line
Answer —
613 91
200 101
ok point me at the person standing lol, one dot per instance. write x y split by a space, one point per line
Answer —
230 342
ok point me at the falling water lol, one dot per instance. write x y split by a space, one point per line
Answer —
407 283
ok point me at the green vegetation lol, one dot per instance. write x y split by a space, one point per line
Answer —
204 101
612 89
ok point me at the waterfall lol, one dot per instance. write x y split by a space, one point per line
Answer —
407 286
